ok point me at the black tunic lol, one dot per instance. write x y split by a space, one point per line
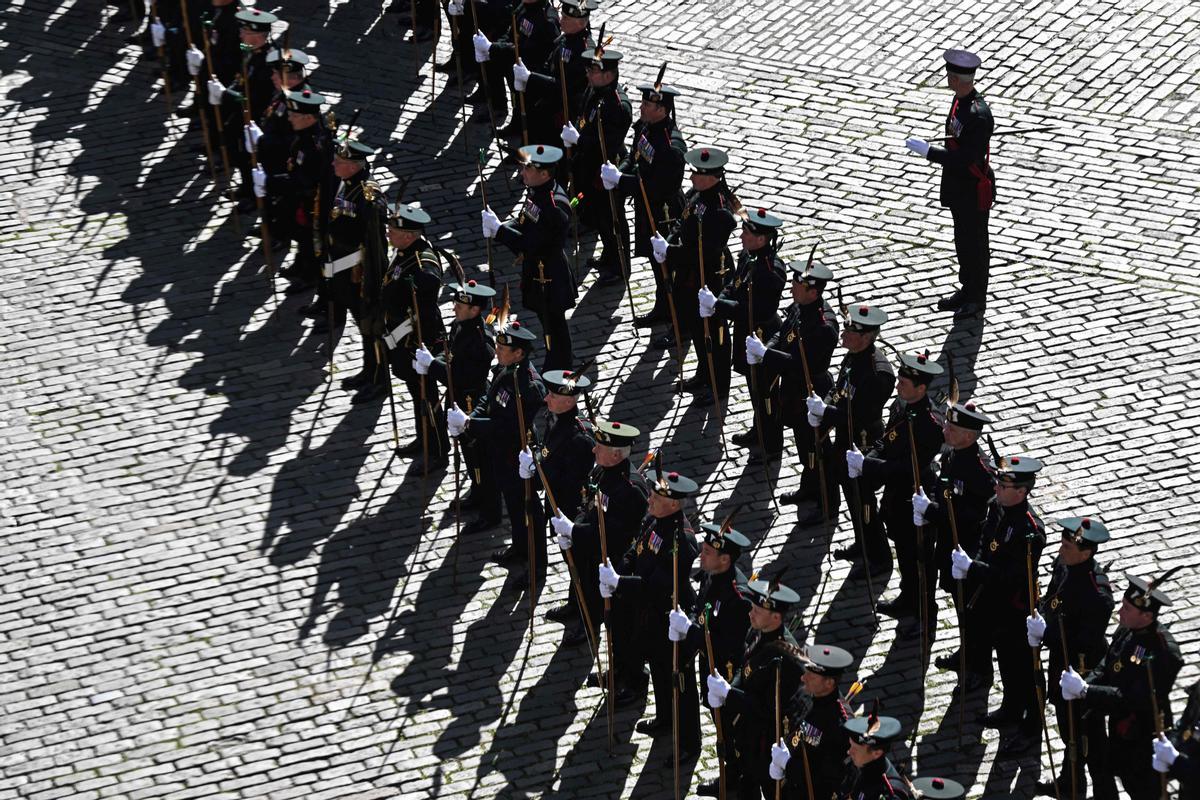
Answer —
814 329
566 458
863 385
967 177
471 349
539 237
657 156
750 300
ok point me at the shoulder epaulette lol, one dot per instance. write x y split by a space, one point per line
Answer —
371 190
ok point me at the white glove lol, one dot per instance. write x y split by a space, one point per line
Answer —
755 349
1164 754
854 461
816 409
421 360
708 302
195 60
659 246
491 223
456 421
678 625
1073 687
610 176
960 563
608 579
920 502
260 182
1035 629
780 756
482 47
569 135
520 76
563 527
250 136
525 464
455 8
216 91
718 690
158 33
918 146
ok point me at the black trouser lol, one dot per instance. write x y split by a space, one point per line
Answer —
971 246
993 625
879 555
692 328
912 557
600 216
501 481
659 652
765 402
429 418
557 336
1091 747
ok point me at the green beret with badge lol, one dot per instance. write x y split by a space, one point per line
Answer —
472 293
967 415
864 318
671 485
1084 531
815 275
1145 594
516 335
614 434
873 730
762 222
305 101
566 382
772 596
544 156
726 541
706 160
1018 471
350 149
409 217
827 660
289 60
257 20
918 367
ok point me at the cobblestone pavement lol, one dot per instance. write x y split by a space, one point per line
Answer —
213 587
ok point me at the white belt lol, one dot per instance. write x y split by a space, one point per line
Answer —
392 340
342 264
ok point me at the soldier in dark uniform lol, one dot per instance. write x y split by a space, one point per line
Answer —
1078 603
494 430
854 409
622 492
911 426
289 70
604 100
750 301
542 82
814 716
655 163
251 88
412 323
1142 653
968 183
294 188
868 773
705 223
643 587
798 356
464 365
219 55
723 611
539 237
564 450
998 587
749 699
353 207
1177 754
966 481
536 30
